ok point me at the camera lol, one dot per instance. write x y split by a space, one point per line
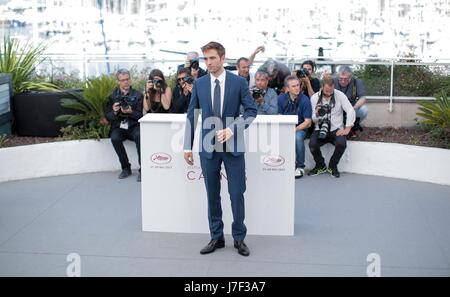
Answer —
324 121
256 93
123 102
188 80
324 110
158 83
302 73
195 64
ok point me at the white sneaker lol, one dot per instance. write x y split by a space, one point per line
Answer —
299 172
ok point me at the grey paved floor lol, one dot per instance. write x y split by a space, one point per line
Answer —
339 222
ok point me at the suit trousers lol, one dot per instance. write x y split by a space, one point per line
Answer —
235 175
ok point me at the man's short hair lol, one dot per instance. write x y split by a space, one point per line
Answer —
214 46
345 69
193 53
329 81
122 71
242 59
184 70
289 78
262 73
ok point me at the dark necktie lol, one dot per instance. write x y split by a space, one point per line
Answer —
218 147
216 99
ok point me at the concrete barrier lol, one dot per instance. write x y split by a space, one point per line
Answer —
75 157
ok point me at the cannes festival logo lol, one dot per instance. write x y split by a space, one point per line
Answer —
161 158
273 161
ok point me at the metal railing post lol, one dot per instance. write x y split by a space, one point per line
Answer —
391 95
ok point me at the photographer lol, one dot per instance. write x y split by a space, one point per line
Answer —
294 102
266 99
277 72
193 64
124 109
311 85
243 70
328 116
158 96
182 92
355 91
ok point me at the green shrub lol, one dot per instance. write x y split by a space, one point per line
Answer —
376 79
436 113
91 103
3 139
21 61
409 80
436 116
72 132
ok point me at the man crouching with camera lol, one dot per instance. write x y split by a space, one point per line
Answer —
124 109
328 116
266 98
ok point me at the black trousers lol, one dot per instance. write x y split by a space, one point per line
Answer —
118 136
340 143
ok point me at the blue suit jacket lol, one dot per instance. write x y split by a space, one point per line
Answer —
236 94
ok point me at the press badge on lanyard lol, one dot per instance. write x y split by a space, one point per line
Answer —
124 124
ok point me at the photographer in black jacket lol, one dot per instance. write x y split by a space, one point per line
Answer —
192 63
124 109
181 94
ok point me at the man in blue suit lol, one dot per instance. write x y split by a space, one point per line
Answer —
218 96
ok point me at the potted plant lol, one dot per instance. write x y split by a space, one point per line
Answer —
35 104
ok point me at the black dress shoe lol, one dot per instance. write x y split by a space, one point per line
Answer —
212 246
241 247
125 173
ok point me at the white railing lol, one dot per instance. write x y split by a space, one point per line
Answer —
85 63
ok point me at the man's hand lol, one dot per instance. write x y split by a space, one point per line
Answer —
189 158
305 80
317 109
195 72
260 100
223 135
187 63
259 49
343 132
187 88
116 107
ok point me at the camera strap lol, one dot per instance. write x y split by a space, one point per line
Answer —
354 98
332 101
291 106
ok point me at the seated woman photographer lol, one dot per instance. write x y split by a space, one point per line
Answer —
157 96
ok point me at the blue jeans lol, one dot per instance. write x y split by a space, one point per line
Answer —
362 112
300 149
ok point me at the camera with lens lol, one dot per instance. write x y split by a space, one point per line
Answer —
158 83
324 120
324 110
188 79
256 93
195 63
301 73
123 101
